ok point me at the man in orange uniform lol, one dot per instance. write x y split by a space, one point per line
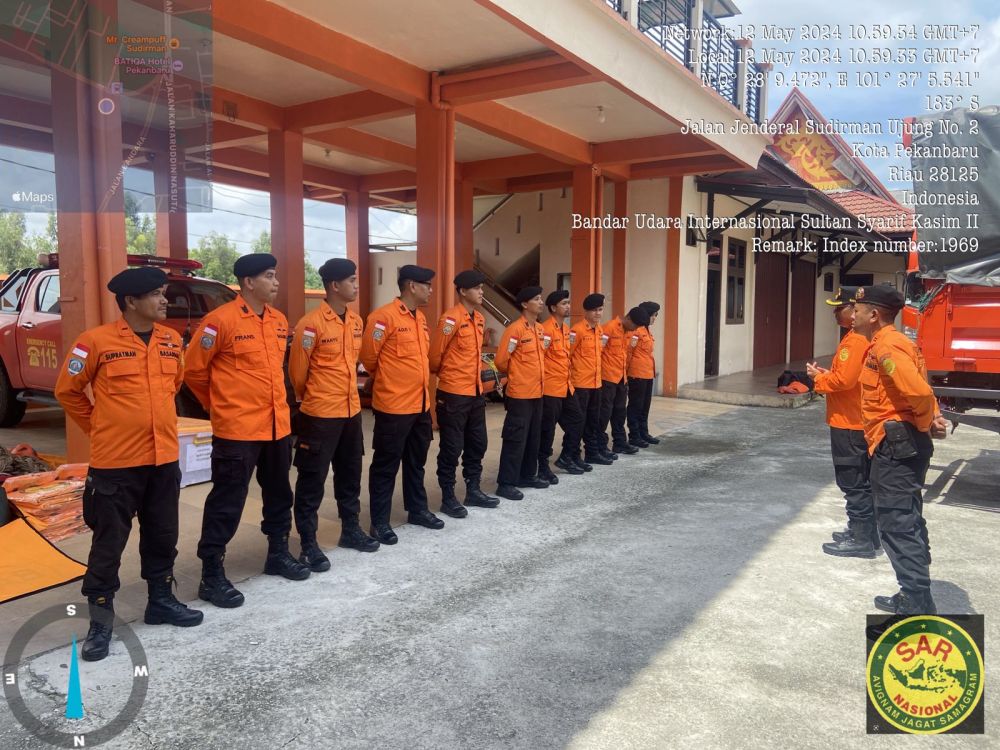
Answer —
558 402
323 369
456 357
847 433
900 417
614 388
235 369
395 351
641 372
586 342
134 369
521 355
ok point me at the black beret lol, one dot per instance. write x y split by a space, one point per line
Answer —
415 273
337 269
880 295
133 282
253 264
556 297
639 316
844 296
593 301
469 279
650 307
529 292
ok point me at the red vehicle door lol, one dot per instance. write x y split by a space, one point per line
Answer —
39 334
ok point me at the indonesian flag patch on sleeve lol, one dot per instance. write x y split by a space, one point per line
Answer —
449 326
208 337
511 344
379 333
308 337
81 351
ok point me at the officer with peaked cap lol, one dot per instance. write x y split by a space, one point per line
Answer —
900 416
456 358
133 368
235 369
394 350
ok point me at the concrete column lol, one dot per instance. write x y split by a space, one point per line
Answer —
742 45
695 22
357 247
436 203
620 248
90 206
583 244
670 312
764 68
464 245
170 186
631 8
284 152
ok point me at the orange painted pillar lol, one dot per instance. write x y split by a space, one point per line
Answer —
620 239
87 146
170 186
284 151
670 312
436 203
357 247
465 254
583 244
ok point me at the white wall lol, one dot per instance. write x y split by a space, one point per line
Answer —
388 263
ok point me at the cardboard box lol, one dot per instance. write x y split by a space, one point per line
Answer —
195 438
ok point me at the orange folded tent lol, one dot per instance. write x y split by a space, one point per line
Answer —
29 563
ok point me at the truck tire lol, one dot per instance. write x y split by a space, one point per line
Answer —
11 410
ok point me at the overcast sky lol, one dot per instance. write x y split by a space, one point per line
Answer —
242 214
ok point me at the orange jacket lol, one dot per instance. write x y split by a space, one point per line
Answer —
521 355
641 361
394 350
323 363
235 369
555 342
840 384
894 386
585 345
456 353
132 421
613 356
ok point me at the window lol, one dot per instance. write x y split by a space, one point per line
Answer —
48 295
541 201
518 228
736 272
195 299
496 247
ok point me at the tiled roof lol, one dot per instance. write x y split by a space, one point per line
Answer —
883 216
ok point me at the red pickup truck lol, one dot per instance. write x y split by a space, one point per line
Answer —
31 346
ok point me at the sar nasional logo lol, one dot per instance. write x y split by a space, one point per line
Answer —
925 675
51 696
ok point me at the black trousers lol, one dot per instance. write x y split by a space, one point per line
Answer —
851 467
398 438
613 396
565 412
897 486
640 396
588 403
233 464
461 432
324 442
111 498
521 435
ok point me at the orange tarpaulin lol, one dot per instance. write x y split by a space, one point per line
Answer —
29 564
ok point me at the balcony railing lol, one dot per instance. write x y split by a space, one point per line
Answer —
668 24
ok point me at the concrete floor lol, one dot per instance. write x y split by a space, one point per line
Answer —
750 388
676 599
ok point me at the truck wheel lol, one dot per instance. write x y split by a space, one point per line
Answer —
11 410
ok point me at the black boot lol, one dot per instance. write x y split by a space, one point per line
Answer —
215 587
650 439
636 441
544 472
163 607
280 561
624 448
839 536
532 483
450 505
600 459
567 464
352 537
582 464
857 544
509 492
475 496
102 618
312 556
903 603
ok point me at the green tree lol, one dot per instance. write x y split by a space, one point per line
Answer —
140 229
217 253
16 247
262 244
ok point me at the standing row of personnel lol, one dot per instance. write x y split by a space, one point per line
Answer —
234 367
882 415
